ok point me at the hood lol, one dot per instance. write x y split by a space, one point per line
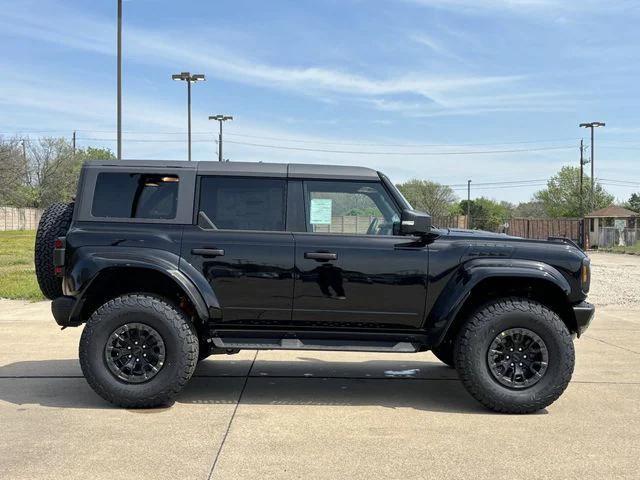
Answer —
476 234
483 235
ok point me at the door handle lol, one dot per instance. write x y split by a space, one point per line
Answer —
321 256
208 252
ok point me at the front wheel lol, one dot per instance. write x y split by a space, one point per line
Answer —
138 351
515 355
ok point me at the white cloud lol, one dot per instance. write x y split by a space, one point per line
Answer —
517 6
96 35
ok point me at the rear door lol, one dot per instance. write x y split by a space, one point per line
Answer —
353 271
240 245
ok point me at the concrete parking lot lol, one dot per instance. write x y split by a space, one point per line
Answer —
321 414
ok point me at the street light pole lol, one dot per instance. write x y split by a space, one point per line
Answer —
592 126
119 81
189 78
468 203
189 118
581 175
220 118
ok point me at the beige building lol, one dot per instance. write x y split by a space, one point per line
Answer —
612 217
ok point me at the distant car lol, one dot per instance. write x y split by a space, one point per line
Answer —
170 262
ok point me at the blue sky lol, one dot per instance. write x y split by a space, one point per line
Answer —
404 81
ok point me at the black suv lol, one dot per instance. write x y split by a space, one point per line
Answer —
170 262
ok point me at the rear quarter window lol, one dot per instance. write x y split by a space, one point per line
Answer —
135 195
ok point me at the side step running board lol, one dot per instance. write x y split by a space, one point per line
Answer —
313 344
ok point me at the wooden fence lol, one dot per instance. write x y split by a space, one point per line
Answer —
13 218
543 228
346 224
613 237
537 228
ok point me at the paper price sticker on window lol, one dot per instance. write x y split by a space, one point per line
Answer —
320 211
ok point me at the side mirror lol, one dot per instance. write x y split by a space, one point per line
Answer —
415 223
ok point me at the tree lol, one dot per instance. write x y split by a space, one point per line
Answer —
532 209
561 198
431 197
486 214
45 172
14 189
634 202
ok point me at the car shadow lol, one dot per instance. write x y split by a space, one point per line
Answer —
427 386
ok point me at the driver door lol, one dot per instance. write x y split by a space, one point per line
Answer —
351 270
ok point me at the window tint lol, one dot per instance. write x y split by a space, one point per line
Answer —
243 203
362 208
135 195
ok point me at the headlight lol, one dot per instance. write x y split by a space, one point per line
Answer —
585 275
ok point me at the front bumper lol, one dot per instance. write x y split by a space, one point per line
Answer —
583 312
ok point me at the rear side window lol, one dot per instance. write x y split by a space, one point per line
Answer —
243 203
135 195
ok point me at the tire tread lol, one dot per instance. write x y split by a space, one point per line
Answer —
468 337
187 351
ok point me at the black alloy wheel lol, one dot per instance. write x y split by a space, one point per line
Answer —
135 352
518 358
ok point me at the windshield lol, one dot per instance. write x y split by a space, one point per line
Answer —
395 192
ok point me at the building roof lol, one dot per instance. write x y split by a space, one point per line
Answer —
612 211
291 170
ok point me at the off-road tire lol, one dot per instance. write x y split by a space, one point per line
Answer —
444 353
177 332
479 331
54 223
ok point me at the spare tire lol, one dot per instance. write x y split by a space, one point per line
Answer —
54 223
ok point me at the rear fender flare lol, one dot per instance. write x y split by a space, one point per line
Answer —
90 263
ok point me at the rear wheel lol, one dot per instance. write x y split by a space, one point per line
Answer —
54 223
515 355
138 351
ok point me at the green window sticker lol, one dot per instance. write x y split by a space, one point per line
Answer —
320 211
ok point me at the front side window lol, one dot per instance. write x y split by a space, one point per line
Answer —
242 203
135 195
358 208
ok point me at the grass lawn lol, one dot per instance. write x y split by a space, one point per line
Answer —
17 274
632 249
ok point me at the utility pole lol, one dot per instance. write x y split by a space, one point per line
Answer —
592 126
24 151
73 143
468 203
581 175
189 78
119 81
220 118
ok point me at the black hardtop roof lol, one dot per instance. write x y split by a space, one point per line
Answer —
252 169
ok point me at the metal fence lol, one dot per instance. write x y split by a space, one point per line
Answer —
13 218
614 237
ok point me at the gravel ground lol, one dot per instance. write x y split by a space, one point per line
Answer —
615 279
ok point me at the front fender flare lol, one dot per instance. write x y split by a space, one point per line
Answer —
472 273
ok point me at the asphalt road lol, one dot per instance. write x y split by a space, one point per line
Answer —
313 415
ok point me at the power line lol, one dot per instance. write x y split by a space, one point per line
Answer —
459 189
298 140
360 144
357 152
500 183
353 152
